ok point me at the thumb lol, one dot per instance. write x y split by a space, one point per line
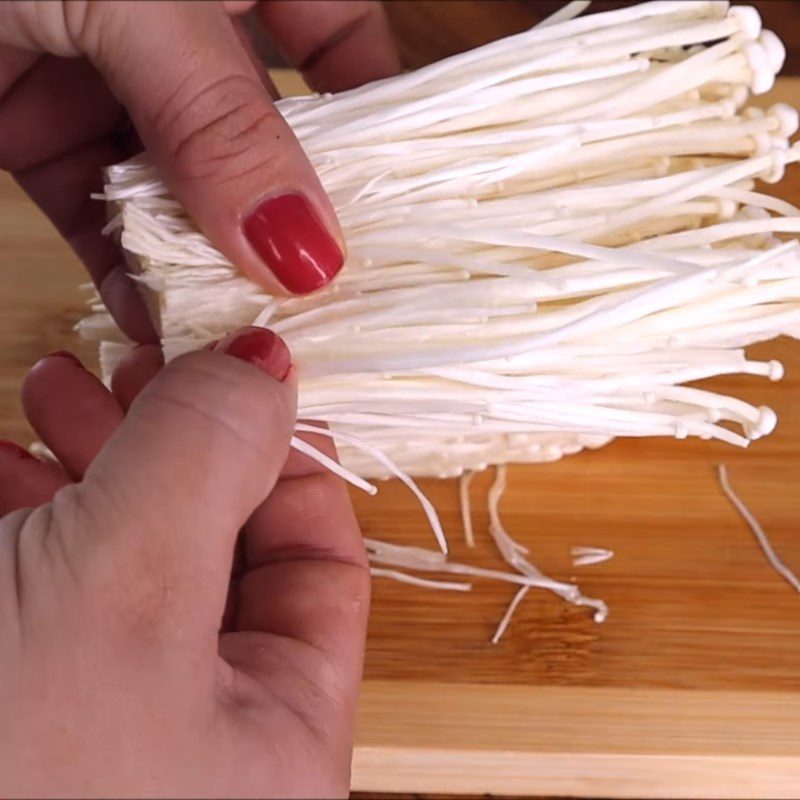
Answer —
227 154
201 447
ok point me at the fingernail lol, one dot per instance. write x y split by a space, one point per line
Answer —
12 448
261 347
291 240
66 354
150 346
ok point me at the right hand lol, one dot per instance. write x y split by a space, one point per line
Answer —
71 72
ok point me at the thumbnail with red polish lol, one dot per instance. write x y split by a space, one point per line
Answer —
13 449
260 347
291 240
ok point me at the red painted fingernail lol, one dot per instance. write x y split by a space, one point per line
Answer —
12 448
66 354
289 237
261 347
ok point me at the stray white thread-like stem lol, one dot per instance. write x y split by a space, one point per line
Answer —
514 554
507 546
466 510
587 556
565 13
425 583
330 464
506 620
427 506
41 450
755 526
588 561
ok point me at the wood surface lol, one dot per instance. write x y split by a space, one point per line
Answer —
690 689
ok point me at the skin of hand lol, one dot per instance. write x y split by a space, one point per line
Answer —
74 76
182 609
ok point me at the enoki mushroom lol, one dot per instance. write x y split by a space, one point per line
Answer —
755 526
548 237
588 556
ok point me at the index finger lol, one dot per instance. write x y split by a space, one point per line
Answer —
336 44
229 157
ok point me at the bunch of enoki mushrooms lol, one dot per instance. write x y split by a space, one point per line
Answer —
548 238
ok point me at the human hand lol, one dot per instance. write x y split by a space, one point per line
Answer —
117 677
72 72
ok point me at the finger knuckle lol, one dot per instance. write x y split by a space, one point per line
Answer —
233 398
219 130
316 498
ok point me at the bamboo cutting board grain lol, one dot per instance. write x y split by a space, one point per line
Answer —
690 689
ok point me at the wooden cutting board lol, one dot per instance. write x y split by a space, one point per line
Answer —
690 689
